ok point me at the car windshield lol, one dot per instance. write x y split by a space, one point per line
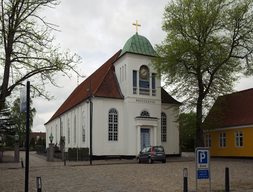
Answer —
158 149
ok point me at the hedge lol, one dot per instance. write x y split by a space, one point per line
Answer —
83 154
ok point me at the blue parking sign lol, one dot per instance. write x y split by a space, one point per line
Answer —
202 159
202 162
203 174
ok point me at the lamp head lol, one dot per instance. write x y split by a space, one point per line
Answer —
51 138
16 137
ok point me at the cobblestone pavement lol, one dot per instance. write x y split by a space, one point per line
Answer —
123 175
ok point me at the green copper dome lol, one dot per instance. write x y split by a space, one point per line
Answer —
139 45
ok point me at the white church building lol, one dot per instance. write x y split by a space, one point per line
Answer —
130 108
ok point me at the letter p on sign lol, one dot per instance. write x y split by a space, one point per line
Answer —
202 157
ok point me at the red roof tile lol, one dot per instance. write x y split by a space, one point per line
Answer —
231 110
103 84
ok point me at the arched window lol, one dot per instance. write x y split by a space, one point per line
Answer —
75 130
68 132
145 113
61 129
113 125
55 133
83 128
163 127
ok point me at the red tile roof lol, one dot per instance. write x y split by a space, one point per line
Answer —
166 98
231 110
103 84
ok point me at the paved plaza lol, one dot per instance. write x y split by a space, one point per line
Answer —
123 175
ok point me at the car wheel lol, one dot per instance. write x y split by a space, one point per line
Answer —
138 159
150 160
164 161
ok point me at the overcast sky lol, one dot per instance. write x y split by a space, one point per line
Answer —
96 30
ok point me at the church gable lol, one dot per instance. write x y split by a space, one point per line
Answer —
109 86
103 84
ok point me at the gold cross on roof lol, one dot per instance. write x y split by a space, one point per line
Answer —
136 24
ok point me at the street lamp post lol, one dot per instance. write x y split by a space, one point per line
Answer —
51 148
51 138
16 137
16 146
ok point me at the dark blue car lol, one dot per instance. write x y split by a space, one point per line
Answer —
151 154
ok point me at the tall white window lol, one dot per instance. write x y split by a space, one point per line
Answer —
208 140
113 125
75 129
163 127
68 132
83 128
55 133
125 72
239 138
120 76
222 138
61 128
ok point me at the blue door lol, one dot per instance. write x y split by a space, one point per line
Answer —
145 138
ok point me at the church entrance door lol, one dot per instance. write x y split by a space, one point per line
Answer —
145 138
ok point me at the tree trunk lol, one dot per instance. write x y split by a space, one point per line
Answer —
199 132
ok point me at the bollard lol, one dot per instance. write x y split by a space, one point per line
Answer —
64 161
185 180
39 184
227 179
22 164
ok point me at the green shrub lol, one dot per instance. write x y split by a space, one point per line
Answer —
32 142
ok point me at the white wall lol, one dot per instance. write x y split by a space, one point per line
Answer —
172 144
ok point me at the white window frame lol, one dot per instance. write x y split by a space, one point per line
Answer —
61 129
222 140
163 125
239 138
208 139
83 128
56 133
75 129
113 125
68 131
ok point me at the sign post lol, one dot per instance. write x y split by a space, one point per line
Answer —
202 160
25 106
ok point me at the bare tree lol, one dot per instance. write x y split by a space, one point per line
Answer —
26 48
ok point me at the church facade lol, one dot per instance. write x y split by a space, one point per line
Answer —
130 109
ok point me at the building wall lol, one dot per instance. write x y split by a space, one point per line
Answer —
231 150
171 146
101 144
127 127
37 135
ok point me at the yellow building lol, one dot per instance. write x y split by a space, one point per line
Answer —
228 128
